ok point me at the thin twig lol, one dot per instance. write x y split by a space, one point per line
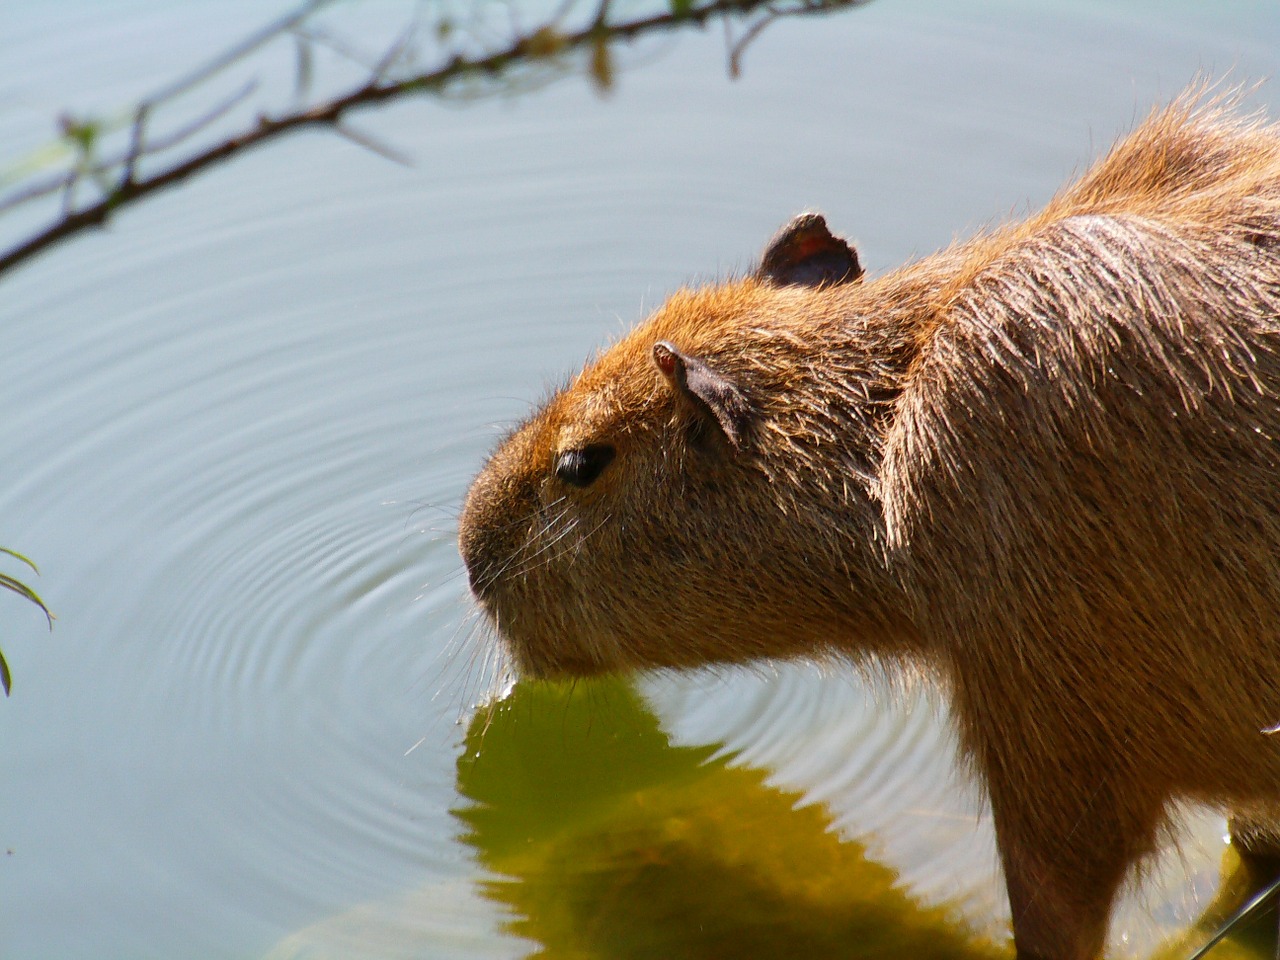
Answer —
601 22
136 145
753 31
543 46
237 52
394 53
305 69
373 145
204 121
64 181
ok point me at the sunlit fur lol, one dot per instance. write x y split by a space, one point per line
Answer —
1042 462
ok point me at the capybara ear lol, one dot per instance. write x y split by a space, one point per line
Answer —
712 395
804 253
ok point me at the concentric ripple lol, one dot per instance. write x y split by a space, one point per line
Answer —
241 496
238 423
882 757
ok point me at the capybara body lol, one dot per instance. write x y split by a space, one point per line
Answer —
1043 463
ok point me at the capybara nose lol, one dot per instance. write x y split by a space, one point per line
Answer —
475 556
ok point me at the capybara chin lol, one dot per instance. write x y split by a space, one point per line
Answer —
1044 463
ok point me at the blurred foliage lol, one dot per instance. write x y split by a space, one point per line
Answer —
14 585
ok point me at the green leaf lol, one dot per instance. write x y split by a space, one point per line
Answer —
82 134
17 555
22 590
15 585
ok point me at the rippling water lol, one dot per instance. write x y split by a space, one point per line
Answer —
239 424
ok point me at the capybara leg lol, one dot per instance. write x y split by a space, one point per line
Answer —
1054 918
1065 853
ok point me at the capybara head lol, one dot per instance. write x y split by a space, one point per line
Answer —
703 492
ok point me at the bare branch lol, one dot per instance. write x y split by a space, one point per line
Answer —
539 52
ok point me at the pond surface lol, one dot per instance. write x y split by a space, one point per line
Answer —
240 422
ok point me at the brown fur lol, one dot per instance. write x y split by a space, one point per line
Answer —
1042 462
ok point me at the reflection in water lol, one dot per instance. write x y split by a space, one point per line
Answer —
608 841
603 839
1254 939
222 413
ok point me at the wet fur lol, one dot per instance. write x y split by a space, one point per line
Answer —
1042 463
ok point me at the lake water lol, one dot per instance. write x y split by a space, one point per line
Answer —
239 424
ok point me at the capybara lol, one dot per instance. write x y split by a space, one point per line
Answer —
1043 464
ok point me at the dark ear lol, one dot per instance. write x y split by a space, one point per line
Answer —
710 393
804 253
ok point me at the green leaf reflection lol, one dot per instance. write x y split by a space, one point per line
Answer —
606 840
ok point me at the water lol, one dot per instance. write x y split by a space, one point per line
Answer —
239 423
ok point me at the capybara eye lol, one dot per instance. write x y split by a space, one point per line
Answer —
581 467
